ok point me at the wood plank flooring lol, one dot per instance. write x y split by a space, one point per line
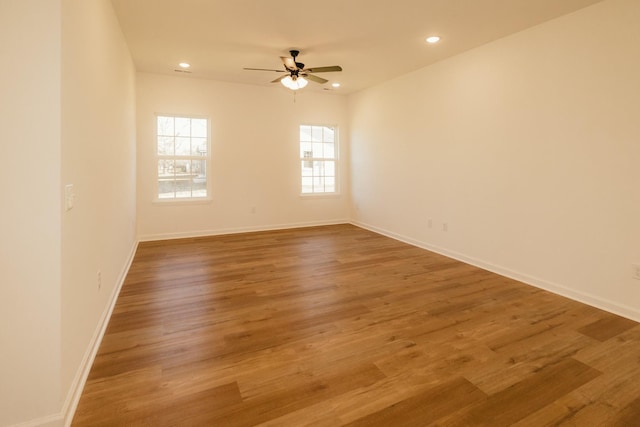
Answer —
339 326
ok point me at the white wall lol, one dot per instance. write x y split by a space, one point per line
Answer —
30 209
527 148
67 112
254 132
98 158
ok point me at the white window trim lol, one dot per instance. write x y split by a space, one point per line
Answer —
157 157
336 159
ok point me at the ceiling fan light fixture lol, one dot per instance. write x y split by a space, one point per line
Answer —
294 83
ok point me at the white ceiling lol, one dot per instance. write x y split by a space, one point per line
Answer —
373 40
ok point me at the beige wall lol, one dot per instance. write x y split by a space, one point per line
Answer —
254 148
527 148
30 210
98 158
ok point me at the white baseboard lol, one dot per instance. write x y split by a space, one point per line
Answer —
223 231
592 300
65 417
75 391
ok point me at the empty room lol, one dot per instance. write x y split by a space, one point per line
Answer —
348 213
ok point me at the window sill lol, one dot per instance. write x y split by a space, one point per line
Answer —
320 195
180 202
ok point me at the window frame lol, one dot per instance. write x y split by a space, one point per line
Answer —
158 157
335 159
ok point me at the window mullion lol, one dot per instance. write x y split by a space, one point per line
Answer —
189 176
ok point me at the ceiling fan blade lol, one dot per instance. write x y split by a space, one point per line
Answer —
289 62
263 69
315 78
279 78
324 69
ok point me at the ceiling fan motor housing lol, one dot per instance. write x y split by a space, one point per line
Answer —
294 53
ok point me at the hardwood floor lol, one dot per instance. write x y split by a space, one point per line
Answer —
330 326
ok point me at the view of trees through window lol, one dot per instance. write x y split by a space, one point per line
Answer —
182 151
318 159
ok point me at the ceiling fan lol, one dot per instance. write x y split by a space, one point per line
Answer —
298 76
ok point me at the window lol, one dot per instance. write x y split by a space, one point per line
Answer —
182 153
318 159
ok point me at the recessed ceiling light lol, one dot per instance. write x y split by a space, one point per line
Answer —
335 84
184 64
433 39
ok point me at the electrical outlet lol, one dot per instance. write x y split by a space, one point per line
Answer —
636 271
69 197
99 279
430 223
445 226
